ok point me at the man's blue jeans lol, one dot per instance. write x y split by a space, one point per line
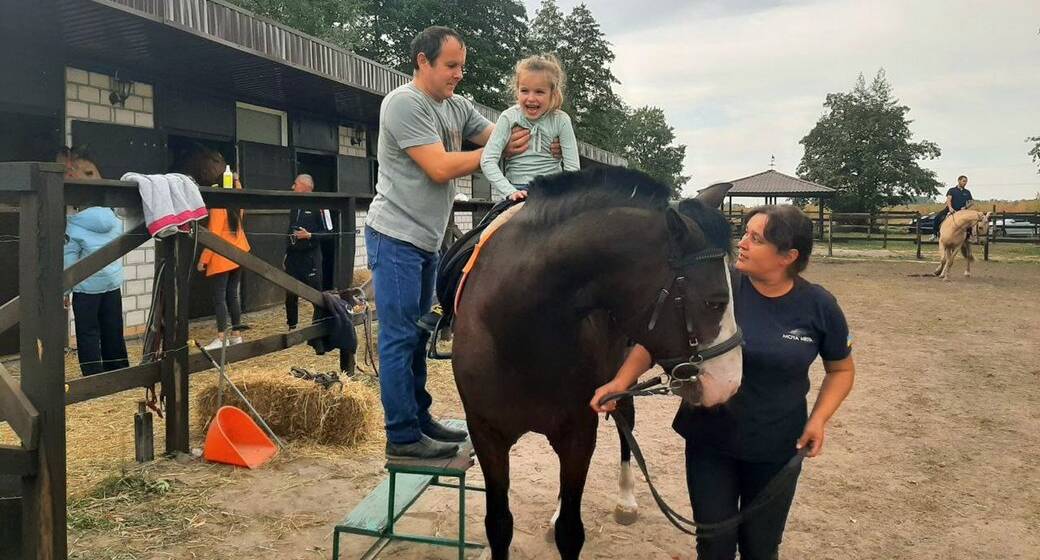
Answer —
403 276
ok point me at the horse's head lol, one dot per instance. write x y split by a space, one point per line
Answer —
982 226
693 333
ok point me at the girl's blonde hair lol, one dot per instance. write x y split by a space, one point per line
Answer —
550 66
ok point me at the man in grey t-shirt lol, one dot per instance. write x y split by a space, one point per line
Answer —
422 125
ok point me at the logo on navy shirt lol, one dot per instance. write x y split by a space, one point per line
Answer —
800 335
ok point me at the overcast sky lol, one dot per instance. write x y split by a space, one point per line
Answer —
742 80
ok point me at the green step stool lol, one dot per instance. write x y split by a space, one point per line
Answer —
376 515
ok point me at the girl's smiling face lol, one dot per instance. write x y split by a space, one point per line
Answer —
533 94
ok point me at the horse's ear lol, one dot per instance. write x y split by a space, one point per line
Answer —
683 232
713 196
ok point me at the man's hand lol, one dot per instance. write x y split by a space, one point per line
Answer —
555 149
66 301
301 233
519 138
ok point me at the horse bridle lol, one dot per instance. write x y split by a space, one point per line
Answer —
685 368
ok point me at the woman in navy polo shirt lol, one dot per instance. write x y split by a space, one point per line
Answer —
734 450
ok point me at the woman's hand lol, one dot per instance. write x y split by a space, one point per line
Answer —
812 437
201 266
615 386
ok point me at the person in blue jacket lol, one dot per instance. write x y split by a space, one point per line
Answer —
97 302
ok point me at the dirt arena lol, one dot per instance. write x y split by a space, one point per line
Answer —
934 455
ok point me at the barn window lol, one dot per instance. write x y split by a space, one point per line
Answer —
260 124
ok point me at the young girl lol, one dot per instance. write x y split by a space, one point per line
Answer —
227 275
538 83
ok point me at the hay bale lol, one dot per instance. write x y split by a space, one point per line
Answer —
296 409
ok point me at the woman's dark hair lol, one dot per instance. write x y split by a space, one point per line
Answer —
429 42
787 228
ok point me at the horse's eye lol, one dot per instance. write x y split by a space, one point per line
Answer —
714 305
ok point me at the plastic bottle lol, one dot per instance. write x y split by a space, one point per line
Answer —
229 177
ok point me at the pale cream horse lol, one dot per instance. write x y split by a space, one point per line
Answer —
953 236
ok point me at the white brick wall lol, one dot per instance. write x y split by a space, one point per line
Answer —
360 254
349 145
86 99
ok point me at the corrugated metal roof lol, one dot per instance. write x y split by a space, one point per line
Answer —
774 183
236 27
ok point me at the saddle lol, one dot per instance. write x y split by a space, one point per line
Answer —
460 258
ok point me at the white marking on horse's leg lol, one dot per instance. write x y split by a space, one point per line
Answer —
627 509
550 533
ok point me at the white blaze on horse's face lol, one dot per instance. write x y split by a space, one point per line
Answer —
720 377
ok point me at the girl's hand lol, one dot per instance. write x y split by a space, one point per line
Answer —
201 266
518 195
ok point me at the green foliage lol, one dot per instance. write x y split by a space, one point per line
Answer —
863 148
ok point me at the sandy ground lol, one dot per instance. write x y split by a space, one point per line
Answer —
934 455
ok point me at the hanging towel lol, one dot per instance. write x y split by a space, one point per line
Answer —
170 202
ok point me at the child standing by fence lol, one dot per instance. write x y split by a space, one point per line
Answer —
538 85
226 274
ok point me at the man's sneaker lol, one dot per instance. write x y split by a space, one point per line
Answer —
428 322
440 432
236 340
425 448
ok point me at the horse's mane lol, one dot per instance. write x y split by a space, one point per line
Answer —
555 198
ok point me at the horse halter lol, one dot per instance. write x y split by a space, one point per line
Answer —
685 368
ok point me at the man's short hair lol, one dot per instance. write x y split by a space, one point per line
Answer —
305 177
429 42
965 177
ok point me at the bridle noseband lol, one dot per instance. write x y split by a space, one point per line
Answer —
685 368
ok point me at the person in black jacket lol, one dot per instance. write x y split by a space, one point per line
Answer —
303 254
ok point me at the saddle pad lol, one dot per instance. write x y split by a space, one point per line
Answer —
485 235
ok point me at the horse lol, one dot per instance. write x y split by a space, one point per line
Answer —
595 259
953 236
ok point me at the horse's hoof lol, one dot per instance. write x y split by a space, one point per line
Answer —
625 516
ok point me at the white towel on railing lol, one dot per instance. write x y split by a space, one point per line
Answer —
170 202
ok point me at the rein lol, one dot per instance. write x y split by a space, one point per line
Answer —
772 490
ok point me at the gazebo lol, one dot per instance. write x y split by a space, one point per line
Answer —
772 185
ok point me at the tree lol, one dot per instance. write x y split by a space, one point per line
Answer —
1034 152
862 147
585 54
495 33
326 19
649 147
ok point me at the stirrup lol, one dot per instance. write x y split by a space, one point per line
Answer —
432 352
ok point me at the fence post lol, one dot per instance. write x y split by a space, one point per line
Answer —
917 234
174 394
884 231
985 246
830 234
41 231
870 225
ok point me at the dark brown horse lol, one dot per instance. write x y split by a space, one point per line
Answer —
594 259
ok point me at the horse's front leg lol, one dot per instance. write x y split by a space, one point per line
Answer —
948 263
574 443
627 509
968 258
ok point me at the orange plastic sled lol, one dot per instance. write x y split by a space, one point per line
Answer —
234 439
